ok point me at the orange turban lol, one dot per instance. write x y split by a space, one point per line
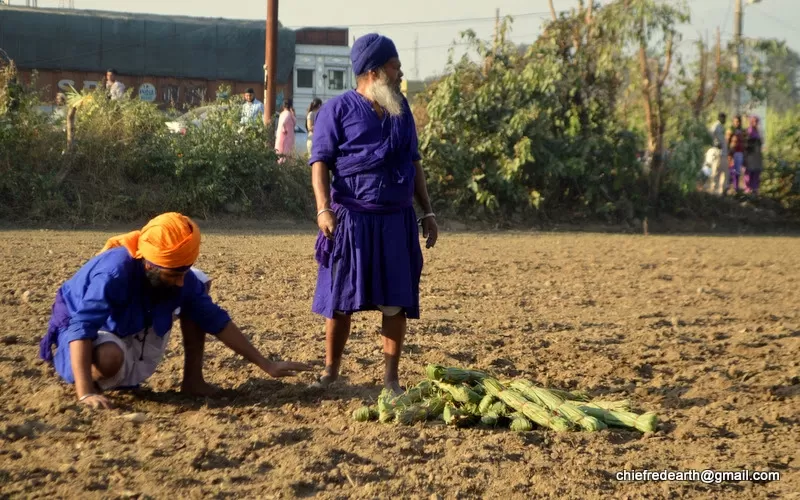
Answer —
170 240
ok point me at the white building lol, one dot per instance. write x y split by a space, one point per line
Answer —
322 67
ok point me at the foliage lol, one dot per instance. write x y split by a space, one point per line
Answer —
781 176
125 164
532 130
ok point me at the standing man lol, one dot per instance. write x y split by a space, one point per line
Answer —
111 321
114 87
717 158
368 246
252 109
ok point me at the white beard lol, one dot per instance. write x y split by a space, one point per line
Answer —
386 95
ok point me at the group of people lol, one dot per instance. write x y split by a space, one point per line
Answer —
111 321
735 157
285 139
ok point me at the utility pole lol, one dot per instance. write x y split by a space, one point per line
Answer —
496 28
271 60
738 25
416 57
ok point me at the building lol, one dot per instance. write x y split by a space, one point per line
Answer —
411 88
169 60
322 66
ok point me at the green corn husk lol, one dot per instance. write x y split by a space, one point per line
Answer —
365 414
493 387
414 395
408 415
521 424
460 393
385 408
450 414
572 395
565 408
471 408
499 408
538 395
453 375
486 403
490 419
456 417
532 411
646 422
435 407
621 405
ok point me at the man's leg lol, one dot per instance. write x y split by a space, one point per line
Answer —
755 178
719 174
194 340
337 331
393 330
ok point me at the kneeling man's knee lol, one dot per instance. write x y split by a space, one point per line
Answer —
108 359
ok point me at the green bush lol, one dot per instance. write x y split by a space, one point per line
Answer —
781 176
125 164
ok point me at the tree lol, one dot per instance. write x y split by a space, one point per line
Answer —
533 129
654 32
703 96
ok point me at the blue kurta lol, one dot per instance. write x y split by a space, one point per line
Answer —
375 257
109 293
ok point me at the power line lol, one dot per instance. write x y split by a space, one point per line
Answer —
778 20
432 22
461 44
727 16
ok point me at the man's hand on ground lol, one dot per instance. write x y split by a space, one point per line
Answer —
98 401
285 368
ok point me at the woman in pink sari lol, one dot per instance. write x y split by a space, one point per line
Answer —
284 135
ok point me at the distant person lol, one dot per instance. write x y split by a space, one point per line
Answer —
754 159
252 109
737 139
311 117
717 159
284 133
60 109
13 94
114 87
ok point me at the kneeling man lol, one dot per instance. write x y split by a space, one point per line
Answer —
111 321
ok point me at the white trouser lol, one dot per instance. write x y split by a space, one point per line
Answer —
142 355
720 175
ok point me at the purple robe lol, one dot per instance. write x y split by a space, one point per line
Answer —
375 257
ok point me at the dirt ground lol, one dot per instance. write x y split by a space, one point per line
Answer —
703 330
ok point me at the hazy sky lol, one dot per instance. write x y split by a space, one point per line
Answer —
437 23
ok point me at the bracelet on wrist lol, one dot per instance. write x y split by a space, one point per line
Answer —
426 216
86 396
324 210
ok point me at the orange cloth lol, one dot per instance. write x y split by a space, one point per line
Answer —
170 240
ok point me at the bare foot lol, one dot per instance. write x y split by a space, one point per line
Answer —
324 381
394 386
200 388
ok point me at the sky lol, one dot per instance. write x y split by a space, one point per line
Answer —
433 25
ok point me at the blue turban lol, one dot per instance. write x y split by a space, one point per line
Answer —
370 52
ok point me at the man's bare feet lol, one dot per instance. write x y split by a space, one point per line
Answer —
324 381
394 386
199 388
